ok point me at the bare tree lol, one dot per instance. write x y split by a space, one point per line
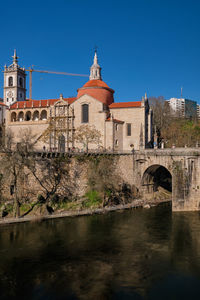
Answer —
162 116
48 173
13 162
182 132
86 135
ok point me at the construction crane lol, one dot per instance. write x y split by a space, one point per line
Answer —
31 70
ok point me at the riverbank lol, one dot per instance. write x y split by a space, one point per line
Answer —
84 212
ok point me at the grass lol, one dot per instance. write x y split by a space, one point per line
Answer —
68 206
92 199
24 207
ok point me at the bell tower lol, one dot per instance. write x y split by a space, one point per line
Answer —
14 82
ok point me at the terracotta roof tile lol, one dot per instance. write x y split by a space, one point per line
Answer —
96 83
125 104
39 103
115 120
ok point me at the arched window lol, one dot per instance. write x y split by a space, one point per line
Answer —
21 116
36 115
85 113
28 116
13 117
10 81
43 115
20 82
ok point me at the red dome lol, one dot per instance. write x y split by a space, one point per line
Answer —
96 82
97 89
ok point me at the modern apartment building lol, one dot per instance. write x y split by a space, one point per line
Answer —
183 107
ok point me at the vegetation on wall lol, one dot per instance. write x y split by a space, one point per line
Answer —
48 183
104 184
19 164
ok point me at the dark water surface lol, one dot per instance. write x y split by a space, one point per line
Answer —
136 254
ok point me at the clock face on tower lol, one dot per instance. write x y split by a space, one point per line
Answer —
10 94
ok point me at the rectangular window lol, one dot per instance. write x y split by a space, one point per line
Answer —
85 113
128 128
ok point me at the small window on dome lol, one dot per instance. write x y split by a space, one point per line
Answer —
85 113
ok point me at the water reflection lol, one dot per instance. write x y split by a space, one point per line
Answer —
138 254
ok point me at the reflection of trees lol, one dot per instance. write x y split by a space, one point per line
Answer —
93 257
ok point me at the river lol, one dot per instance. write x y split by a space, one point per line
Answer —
135 254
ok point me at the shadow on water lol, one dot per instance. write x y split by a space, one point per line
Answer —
136 254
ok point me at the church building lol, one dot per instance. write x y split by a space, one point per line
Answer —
54 123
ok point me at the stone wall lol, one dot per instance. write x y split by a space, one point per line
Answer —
183 165
76 183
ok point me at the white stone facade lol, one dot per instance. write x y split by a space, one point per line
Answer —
122 126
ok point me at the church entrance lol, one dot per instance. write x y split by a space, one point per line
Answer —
61 143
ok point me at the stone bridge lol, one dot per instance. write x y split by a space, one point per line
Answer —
176 170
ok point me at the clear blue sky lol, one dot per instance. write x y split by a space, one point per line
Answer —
148 46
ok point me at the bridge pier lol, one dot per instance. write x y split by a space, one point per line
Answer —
154 169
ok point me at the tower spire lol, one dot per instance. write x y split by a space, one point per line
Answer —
95 69
15 58
95 58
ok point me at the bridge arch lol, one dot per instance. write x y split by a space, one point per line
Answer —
155 178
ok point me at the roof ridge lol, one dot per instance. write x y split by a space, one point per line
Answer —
125 104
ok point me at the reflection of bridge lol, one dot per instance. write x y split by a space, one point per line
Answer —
175 170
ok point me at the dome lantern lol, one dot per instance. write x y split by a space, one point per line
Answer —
95 70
